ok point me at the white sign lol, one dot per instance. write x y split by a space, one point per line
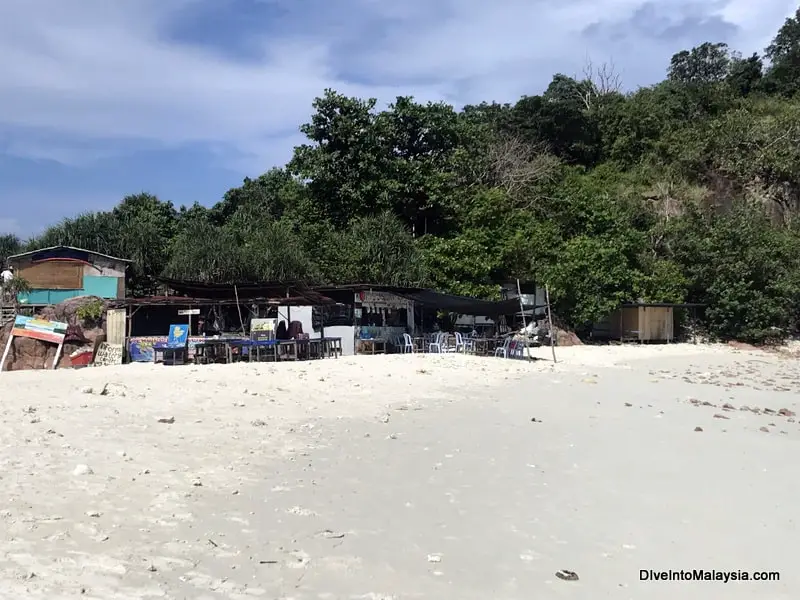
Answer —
108 354
378 300
189 311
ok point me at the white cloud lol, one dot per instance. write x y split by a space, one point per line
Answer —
77 77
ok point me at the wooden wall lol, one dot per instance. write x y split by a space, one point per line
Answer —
115 326
53 275
642 323
656 323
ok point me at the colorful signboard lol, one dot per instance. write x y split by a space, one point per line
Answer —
263 329
178 335
39 329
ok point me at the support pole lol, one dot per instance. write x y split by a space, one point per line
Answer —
550 322
288 311
5 352
524 322
239 309
58 354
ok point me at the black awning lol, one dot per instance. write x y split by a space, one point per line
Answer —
242 290
463 305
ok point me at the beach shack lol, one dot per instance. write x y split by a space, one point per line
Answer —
210 309
58 273
641 322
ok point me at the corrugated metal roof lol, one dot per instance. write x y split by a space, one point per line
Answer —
186 301
50 248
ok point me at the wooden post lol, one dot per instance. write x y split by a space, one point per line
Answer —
6 351
321 329
239 308
356 345
524 322
288 314
550 323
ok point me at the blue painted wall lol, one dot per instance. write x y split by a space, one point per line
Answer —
104 287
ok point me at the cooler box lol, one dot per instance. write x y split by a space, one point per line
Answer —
81 358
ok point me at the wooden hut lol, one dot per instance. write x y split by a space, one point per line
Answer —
640 322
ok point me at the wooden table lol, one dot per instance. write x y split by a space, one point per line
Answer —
376 346
331 346
266 347
210 351
486 346
286 349
255 348
171 355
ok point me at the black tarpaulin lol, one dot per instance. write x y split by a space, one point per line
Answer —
247 291
462 304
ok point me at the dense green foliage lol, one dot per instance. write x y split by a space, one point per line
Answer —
688 190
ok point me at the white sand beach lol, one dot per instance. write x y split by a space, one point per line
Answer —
403 477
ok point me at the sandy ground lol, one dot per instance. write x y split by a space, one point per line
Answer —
400 477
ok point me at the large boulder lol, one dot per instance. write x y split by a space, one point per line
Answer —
565 337
26 353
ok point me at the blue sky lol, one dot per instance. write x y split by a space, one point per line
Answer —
184 98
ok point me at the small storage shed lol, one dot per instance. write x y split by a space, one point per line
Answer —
645 323
61 272
642 322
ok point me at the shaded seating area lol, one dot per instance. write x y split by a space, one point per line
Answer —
494 343
231 350
226 326
269 341
459 342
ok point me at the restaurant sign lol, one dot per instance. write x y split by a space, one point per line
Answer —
377 300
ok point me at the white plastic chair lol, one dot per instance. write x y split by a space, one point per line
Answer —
436 345
469 343
503 350
408 343
459 343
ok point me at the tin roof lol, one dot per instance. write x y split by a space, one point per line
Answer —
56 252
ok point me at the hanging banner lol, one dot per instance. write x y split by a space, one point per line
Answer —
140 349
